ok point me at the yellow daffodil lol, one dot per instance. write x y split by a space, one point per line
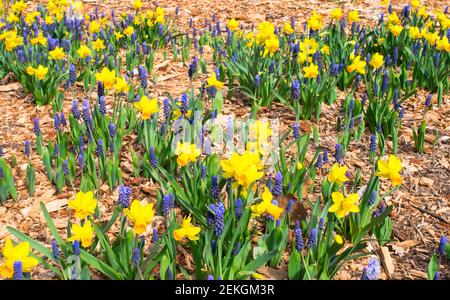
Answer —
377 60
315 21
12 254
393 19
342 206
414 4
40 72
390 169
338 239
121 85
338 174
159 15
443 44
19 6
233 25
212 81
353 16
311 71
39 39
431 37
77 6
336 14
301 58
187 230
83 51
31 17
414 33
49 20
12 40
396 29
259 131
107 77
422 12
94 27
129 30
147 107
30 70
137 4
357 65
57 53
118 35
12 18
245 168
186 153
84 204
265 31
82 234
287 28
308 46
98 45
271 46
140 215
266 206
250 39
325 50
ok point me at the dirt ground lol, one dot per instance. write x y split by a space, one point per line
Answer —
421 207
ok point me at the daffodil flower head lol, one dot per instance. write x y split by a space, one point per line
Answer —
186 152
233 25
311 71
140 215
377 60
84 204
107 77
390 169
187 230
213 82
357 65
57 53
83 51
40 72
266 205
271 45
336 14
82 233
338 174
342 206
245 168
147 107
12 254
287 28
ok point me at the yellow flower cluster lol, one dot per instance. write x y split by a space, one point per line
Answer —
245 168
315 21
186 153
12 40
39 72
84 205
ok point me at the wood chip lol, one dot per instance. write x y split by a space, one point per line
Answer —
10 87
386 260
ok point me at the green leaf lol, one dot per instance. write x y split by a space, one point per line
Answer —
259 262
294 265
33 244
433 267
99 265
53 229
